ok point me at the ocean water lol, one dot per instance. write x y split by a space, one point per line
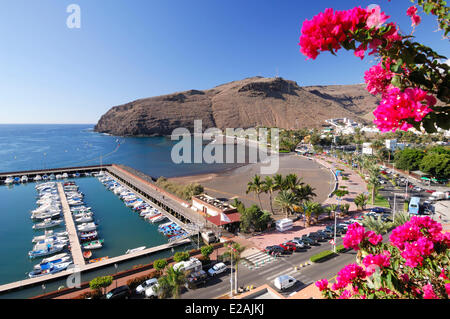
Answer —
28 147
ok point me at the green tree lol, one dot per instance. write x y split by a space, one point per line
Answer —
181 256
438 165
285 200
207 251
256 185
101 283
169 286
269 187
160 265
361 201
408 159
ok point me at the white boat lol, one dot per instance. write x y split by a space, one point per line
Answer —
53 240
47 223
44 265
58 176
86 227
55 257
51 176
37 178
158 218
45 250
48 234
84 219
65 175
24 179
82 214
49 269
130 251
95 244
46 215
9 180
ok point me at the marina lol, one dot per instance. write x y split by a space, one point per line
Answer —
112 213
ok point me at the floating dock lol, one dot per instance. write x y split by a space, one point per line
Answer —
75 247
174 208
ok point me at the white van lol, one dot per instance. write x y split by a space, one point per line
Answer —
284 282
189 266
284 224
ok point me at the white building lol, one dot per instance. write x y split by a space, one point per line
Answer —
392 145
367 148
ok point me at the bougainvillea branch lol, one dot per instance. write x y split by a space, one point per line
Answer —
412 79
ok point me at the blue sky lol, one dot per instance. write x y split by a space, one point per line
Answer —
126 50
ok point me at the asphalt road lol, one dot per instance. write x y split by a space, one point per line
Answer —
283 265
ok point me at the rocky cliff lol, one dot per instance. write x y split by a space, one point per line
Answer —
251 102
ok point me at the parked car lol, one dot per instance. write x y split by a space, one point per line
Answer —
310 240
195 279
298 245
122 292
275 250
290 246
318 236
152 291
298 240
430 191
284 282
378 210
146 284
217 269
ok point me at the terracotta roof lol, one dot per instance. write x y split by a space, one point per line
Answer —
234 217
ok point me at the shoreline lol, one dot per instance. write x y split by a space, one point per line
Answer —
232 183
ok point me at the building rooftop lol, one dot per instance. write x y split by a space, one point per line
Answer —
214 202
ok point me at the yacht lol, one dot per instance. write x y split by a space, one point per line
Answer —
84 219
44 265
65 175
37 178
130 251
55 257
24 179
9 180
45 250
47 223
48 234
95 244
86 227
49 269
45 215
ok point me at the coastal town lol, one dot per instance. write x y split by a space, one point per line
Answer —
214 157
289 226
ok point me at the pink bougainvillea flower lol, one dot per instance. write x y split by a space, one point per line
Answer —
354 236
378 79
345 295
322 284
396 106
411 11
415 20
447 289
376 18
428 292
373 238
348 274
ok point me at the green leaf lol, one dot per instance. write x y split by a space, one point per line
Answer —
396 81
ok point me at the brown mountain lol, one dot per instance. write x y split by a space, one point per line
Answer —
252 102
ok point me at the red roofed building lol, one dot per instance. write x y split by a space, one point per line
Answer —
217 212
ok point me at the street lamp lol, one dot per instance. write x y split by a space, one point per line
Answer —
335 222
116 266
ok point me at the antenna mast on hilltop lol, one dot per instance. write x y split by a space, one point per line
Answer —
276 76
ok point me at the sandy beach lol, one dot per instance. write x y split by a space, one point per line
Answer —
232 183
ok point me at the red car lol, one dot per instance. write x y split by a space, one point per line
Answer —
289 246
429 191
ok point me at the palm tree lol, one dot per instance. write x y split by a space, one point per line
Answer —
333 209
170 285
234 251
374 182
293 183
279 182
309 209
255 185
376 225
269 187
305 193
361 200
285 200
